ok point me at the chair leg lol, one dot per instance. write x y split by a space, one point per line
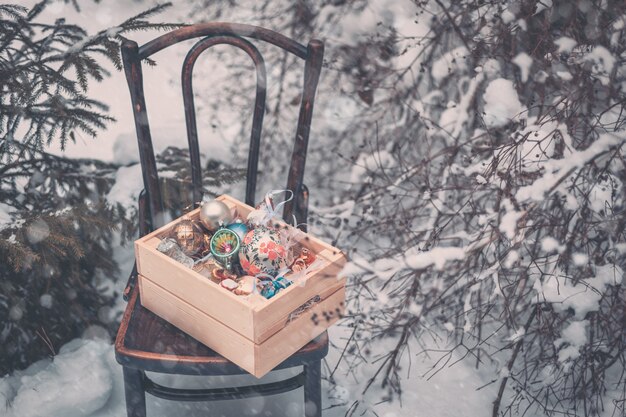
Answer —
313 389
135 394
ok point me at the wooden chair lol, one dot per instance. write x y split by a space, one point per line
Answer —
144 341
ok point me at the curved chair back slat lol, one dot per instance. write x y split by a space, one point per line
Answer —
222 29
257 118
216 33
312 69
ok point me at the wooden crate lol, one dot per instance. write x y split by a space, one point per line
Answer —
255 333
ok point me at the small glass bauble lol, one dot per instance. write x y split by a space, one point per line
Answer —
238 227
225 246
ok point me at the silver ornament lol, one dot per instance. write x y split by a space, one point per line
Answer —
214 214
170 247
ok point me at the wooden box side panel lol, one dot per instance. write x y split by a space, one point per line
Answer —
195 289
200 326
258 359
271 317
298 333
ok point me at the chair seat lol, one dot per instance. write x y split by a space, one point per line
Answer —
147 342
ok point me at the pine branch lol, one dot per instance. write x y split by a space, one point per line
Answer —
36 72
13 11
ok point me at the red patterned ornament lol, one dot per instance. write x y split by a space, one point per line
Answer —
262 251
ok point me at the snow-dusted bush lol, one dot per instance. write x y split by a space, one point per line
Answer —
502 219
486 196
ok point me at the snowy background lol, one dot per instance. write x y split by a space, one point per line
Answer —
350 172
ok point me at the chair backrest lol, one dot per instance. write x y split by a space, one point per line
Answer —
211 34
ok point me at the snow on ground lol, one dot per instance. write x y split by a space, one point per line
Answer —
79 382
84 380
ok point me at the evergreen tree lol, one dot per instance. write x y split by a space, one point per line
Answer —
55 226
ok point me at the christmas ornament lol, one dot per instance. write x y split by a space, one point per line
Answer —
189 237
267 203
298 265
307 255
300 268
214 214
247 285
270 288
281 283
262 252
199 266
170 248
304 259
229 284
240 228
225 245
167 246
221 274
266 210
205 259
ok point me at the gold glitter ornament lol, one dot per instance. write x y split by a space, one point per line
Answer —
189 237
